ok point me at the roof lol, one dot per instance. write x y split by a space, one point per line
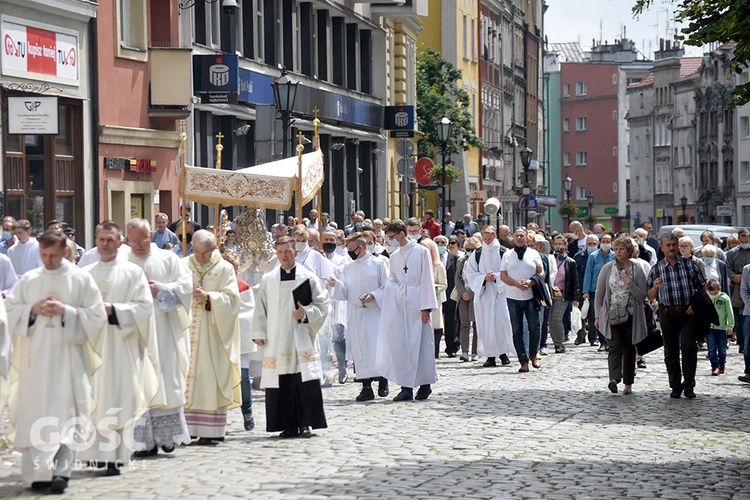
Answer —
645 82
689 65
569 51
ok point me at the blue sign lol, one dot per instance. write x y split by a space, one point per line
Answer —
256 88
533 204
399 118
216 73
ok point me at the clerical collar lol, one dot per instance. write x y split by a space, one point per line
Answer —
288 275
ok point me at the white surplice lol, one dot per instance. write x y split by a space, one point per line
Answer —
25 256
406 346
494 331
8 276
6 350
52 363
290 346
367 274
128 383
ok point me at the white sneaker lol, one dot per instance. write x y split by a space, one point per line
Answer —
473 357
543 351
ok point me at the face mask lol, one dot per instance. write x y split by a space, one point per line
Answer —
370 249
591 249
442 249
559 251
606 247
301 246
708 260
7 235
352 254
415 237
393 245
358 224
598 235
745 246
189 237
329 247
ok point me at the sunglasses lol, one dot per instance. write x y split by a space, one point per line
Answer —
452 242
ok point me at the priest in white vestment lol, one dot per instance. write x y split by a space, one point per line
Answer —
55 314
213 383
171 286
361 283
406 344
491 316
287 331
25 253
127 383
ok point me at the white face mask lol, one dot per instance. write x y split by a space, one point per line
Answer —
414 237
301 246
370 249
393 245
606 247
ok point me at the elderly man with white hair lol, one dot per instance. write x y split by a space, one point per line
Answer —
715 268
642 236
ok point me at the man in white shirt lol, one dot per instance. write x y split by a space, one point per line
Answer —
8 238
25 253
516 270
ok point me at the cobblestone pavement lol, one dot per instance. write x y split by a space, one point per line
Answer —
484 433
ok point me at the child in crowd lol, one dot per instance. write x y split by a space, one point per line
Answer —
717 335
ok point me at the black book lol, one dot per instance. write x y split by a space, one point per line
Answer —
303 294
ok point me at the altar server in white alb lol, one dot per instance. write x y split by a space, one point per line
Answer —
6 349
55 314
128 382
406 344
171 288
291 362
213 383
25 253
494 333
361 284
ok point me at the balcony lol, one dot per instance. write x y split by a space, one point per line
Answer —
397 8
170 82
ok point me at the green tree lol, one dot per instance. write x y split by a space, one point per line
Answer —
438 95
711 21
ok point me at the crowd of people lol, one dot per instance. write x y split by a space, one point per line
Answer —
145 341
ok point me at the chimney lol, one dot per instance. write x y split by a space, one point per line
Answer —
661 44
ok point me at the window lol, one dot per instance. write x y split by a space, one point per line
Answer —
745 127
614 115
581 88
637 146
566 124
581 193
581 123
614 78
466 36
566 159
566 90
614 151
581 158
473 45
131 26
745 172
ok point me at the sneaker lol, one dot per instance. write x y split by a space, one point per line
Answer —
641 364
249 421
543 351
473 357
464 357
559 349
715 371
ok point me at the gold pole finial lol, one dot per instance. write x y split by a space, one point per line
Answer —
316 124
300 150
183 209
300 146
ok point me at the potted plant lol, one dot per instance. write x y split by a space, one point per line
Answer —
452 174
568 210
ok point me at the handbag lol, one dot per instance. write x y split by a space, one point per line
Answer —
618 314
454 294
652 342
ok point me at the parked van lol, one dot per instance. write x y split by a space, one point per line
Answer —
695 230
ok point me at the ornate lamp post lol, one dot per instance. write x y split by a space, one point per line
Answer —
284 93
444 130
590 200
526 154
683 201
567 185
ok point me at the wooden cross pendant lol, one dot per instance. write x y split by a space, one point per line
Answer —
406 268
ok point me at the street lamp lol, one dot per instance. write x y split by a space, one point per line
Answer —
567 185
683 201
627 215
590 200
444 131
284 93
525 154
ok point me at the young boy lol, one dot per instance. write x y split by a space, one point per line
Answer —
717 335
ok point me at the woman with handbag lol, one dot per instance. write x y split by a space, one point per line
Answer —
620 292
441 284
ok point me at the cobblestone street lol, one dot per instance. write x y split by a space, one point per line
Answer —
484 433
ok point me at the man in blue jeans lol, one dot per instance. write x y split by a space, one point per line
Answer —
516 270
594 265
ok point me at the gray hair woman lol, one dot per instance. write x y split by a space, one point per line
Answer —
620 291
465 302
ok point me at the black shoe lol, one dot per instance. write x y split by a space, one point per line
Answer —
112 470
490 362
559 349
249 422
206 442
305 432
406 394
451 354
40 485
424 392
366 394
689 393
383 387
289 433
642 364
343 377
567 338
744 378
504 359
676 394
146 453
58 484
168 448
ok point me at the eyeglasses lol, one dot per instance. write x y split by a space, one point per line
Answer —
452 242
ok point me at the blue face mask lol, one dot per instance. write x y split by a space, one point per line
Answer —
591 249
7 235
745 246
708 260
598 235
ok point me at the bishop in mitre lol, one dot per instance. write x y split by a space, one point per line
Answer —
128 382
213 383
291 361
171 288
56 315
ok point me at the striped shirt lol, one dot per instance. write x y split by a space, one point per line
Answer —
678 282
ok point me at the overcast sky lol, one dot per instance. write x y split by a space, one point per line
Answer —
605 20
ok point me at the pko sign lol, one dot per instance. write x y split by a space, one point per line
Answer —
216 77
